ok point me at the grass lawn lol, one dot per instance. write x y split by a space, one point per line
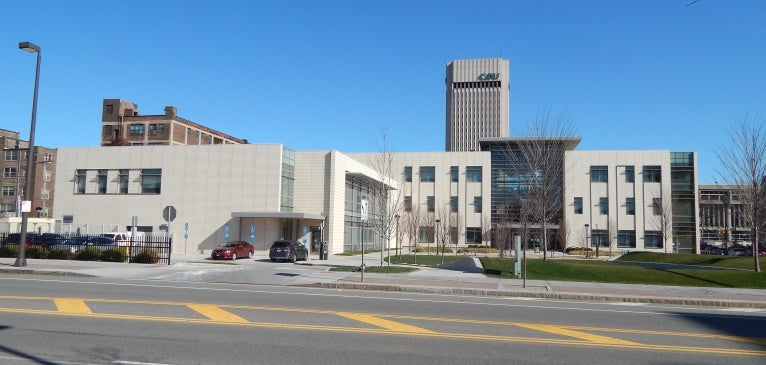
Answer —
377 269
424 259
733 262
615 272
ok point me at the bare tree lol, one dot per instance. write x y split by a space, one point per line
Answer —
663 212
743 164
411 226
387 206
456 228
441 227
538 161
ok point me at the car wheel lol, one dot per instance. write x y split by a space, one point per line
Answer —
294 258
233 256
249 254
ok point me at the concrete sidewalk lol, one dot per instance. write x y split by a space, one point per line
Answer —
463 277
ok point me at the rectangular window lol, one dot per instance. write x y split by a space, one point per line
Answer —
7 208
407 203
9 172
152 129
473 235
425 234
9 191
11 155
160 128
453 201
123 182
578 205
427 174
653 239
477 204
652 174
79 181
151 181
473 173
626 239
630 206
408 173
453 174
603 206
657 206
136 129
630 174
599 238
431 203
108 131
102 181
599 174
109 109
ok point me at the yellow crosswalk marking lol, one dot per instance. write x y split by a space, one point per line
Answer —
576 334
380 322
76 306
216 313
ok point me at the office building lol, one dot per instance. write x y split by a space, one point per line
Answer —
477 102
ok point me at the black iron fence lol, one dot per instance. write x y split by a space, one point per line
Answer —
141 248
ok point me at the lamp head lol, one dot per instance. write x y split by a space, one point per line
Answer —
29 47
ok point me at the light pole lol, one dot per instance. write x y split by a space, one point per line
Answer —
21 260
587 235
397 233
436 234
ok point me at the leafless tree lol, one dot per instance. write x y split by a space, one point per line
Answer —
411 225
456 228
441 230
539 163
388 206
743 164
662 210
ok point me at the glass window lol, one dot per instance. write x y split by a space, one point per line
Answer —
473 235
9 172
109 109
79 181
11 155
453 201
151 181
102 181
408 173
136 129
431 203
407 203
473 173
578 205
123 182
630 206
599 174
653 239
425 234
108 131
603 206
477 204
630 174
652 174
453 174
427 174
9 191
657 206
626 239
152 129
7 208
160 128
599 238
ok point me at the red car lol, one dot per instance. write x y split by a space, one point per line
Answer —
233 250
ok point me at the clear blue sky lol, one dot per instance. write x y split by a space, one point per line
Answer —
327 74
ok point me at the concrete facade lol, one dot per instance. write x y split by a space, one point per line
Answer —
477 101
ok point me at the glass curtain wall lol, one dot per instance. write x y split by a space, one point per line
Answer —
355 231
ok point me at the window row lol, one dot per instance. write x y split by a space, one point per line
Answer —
426 234
630 206
626 239
9 172
650 174
123 181
14 155
453 204
428 173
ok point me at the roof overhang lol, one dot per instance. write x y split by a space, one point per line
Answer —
283 215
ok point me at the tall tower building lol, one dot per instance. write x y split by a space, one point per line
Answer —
477 102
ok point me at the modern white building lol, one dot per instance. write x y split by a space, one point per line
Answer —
631 200
478 103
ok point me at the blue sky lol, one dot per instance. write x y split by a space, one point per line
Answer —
649 74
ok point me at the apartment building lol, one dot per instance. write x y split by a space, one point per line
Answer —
14 178
123 125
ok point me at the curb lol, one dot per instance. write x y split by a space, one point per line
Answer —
541 295
45 272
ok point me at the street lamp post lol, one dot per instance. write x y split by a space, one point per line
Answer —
397 234
21 260
587 235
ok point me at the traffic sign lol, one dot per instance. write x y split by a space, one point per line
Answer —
169 213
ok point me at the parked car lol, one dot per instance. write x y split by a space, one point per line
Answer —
712 250
13 239
47 239
80 243
736 251
288 250
233 250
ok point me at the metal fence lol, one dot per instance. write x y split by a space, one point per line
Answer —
133 249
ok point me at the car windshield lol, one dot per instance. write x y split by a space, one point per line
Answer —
228 244
281 244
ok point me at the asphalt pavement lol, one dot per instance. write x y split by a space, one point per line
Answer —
463 277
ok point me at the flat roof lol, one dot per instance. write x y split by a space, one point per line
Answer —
286 215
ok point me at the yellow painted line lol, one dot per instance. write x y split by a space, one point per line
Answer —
577 334
74 306
455 336
216 313
384 323
753 340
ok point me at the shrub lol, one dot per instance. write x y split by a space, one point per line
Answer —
9 251
88 254
145 257
34 253
112 255
59 254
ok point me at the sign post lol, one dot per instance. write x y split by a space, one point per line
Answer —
364 216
